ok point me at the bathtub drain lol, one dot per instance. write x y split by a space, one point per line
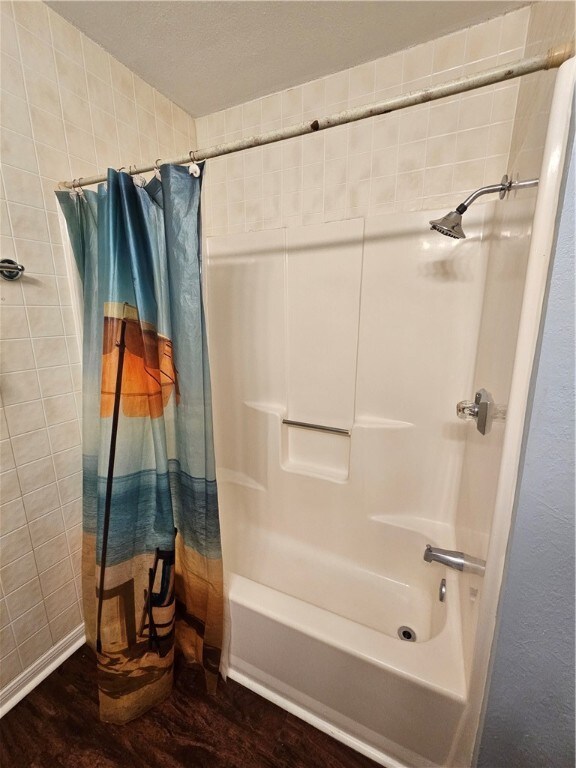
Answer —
407 633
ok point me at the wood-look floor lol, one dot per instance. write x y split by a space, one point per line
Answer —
57 725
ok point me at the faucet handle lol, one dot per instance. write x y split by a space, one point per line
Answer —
467 410
483 411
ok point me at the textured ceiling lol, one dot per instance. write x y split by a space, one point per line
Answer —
206 56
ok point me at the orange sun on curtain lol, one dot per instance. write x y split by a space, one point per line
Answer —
149 375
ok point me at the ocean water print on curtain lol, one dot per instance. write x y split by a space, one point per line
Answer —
152 567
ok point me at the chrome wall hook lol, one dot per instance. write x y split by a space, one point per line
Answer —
11 270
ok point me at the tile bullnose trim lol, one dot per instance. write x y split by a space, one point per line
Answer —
40 669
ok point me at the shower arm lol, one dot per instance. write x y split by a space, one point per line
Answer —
505 186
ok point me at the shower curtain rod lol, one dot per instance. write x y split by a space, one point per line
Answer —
551 60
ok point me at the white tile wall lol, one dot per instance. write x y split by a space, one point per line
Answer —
424 157
67 110
551 25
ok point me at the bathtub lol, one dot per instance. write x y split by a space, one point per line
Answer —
318 634
374 594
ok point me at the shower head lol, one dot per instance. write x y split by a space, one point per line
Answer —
451 224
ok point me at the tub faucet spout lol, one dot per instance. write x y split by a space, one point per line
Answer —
457 560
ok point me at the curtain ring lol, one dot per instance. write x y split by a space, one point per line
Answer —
194 168
76 187
138 179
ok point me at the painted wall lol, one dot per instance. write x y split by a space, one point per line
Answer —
68 110
529 721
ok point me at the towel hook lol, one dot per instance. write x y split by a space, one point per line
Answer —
157 169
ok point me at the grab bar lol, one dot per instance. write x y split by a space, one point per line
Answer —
317 427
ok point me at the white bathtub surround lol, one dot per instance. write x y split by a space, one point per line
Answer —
349 325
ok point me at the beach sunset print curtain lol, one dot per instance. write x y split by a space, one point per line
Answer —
152 568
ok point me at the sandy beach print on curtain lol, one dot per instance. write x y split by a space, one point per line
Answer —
152 568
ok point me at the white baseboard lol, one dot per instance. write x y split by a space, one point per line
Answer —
42 667
309 717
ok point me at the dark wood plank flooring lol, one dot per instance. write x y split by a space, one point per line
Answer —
57 725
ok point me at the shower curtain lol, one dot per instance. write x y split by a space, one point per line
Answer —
152 568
